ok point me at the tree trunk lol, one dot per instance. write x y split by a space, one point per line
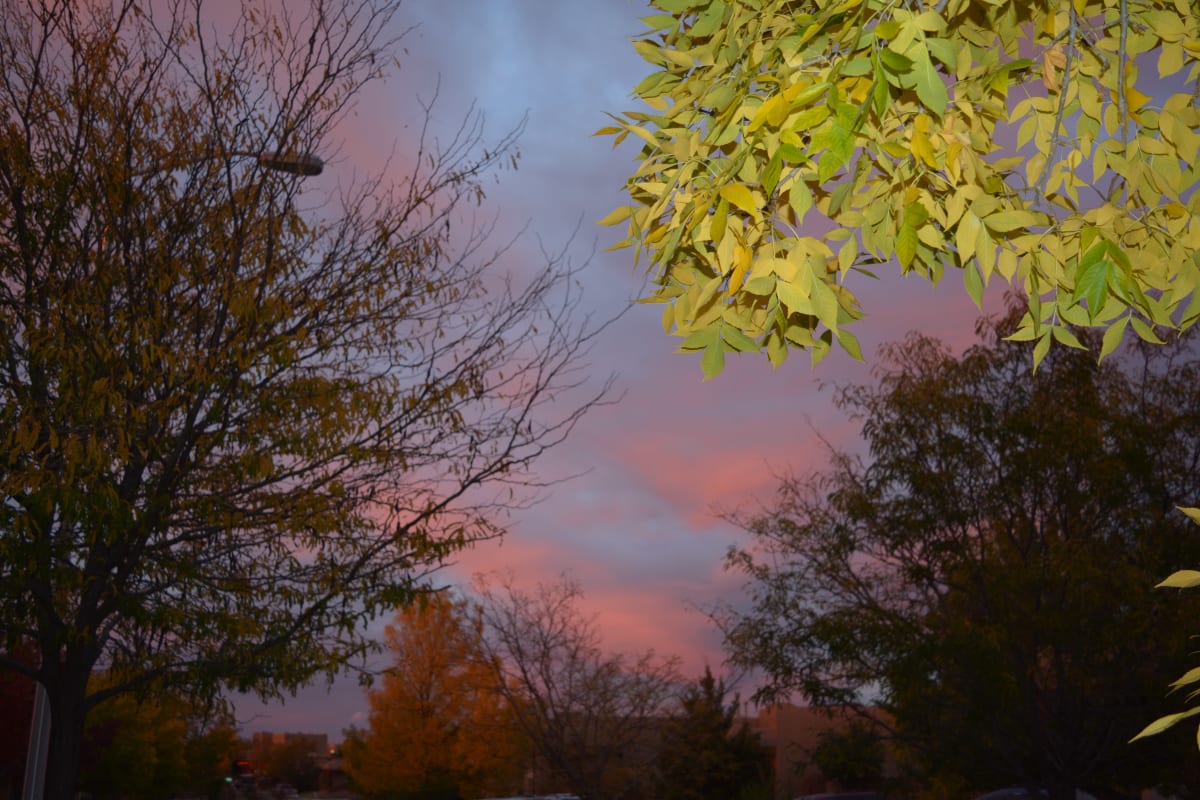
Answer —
66 688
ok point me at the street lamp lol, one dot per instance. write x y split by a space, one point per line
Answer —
293 163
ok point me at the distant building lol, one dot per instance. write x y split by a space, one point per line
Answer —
265 741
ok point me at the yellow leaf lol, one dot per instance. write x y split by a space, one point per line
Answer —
616 215
741 262
922 147
740 195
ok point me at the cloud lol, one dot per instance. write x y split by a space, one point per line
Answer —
638 526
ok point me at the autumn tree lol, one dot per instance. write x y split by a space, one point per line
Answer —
242 410
440 726
982 572
788 145
592 717
707 753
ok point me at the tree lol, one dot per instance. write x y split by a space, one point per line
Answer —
160 747
707 753
853 756
982 574
439 725
241 416
790 144
292 762
592 717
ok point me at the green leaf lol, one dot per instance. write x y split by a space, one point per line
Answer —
824 302
894 62
849 343
1091 280
973 283
1143 330
930 87
1042 347
838 143
658 22
699 340
943 50
794 300
709 21
713 360
1113 336
737 340
906 245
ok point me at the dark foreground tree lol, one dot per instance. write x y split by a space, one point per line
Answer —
240 416
162 746
593 718
982 574
708 753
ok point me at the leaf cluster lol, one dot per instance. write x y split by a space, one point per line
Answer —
789 145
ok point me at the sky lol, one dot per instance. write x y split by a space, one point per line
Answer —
639 525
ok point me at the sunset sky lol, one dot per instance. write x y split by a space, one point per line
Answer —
638 528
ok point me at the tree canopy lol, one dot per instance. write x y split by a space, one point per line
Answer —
439 724
982 571
160 746
242 413
707 752
790 144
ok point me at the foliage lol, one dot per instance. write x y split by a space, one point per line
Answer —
591 717
291 762
1180 579
156 748
707 752
850 757
982 573
439 725
792 143
241 415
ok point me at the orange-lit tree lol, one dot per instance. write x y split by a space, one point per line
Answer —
439 725
242 411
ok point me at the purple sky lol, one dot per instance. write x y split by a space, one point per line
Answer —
638 529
